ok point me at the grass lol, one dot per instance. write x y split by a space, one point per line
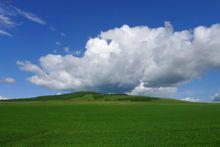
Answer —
106 120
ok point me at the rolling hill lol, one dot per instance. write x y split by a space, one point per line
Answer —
96 97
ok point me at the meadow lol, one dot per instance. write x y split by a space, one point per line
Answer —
116 120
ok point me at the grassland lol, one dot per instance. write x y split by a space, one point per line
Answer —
91 119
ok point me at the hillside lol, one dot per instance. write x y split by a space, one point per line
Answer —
95 97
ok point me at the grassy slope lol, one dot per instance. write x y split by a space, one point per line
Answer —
154 122
93 96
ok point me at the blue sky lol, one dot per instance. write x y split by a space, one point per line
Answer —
65 28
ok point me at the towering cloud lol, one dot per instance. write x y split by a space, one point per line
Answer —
137 60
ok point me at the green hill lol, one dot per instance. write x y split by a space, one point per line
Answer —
96 97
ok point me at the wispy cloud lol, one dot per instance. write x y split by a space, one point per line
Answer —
8 80
62 34
2 32
8 14
58 43
6 21
52 28
30 16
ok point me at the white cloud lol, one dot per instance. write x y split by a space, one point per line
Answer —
120 58
9 15
216 97
6 21
30 16
153 91
3 98
8 80
27 66
5 33
190 99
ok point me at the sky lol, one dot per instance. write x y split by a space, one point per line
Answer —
142 47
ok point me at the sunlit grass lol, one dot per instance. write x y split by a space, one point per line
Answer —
109 123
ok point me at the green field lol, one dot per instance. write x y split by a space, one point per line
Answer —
91 119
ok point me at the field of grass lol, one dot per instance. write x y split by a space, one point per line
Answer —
92 120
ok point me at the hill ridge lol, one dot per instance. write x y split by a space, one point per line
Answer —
90 96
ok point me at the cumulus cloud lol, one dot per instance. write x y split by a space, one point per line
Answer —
153 91
8 80
139 60
3 98
27 66
216 97
189 99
